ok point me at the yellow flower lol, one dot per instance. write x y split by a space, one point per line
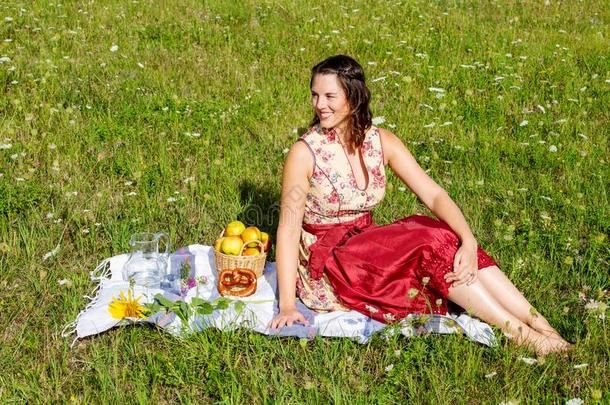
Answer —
126 307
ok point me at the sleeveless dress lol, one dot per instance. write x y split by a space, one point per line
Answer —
348 262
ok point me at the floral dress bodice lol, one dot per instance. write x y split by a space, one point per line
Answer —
334 197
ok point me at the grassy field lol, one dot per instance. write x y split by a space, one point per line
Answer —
124 116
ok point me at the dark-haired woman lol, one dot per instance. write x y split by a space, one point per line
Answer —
331 254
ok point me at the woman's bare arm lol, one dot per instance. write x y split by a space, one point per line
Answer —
295 185
438 201
427 190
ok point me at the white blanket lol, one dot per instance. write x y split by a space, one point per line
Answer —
259 308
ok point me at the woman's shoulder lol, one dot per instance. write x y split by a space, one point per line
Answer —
301 156
312 134
384 134
389 143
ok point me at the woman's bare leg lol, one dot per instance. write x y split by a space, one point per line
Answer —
476 299
505 292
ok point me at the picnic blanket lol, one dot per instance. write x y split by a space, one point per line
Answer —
254 313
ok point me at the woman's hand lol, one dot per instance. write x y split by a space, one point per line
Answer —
287 317
465 265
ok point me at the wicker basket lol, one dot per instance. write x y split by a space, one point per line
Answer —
254 263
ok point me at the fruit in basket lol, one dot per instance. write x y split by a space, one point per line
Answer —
234 228
231 245
217 244
251 233
251 251
266 241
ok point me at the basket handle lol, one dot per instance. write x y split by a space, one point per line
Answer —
260 244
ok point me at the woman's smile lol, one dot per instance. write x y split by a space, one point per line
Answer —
329 101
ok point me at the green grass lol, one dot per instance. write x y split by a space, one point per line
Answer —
89 127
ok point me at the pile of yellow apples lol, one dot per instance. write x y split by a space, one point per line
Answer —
236 234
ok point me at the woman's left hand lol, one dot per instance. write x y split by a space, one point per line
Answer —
465 266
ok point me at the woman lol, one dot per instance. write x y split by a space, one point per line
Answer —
331 254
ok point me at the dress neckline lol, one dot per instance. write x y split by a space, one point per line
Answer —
367 179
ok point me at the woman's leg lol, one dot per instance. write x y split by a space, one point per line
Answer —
505 292
477 299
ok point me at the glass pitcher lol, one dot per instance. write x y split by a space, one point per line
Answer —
146 267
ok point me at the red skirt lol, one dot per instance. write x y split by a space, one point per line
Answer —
388 271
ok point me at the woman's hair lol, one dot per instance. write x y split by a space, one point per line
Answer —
351 77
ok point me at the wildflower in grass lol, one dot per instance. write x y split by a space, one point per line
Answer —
597 307
126 307
523 123
389 368
575 401
50 254
170 199
579 366
5 145
492 374
65 281
114 48
528 360
378 120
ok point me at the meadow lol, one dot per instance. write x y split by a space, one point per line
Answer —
125 116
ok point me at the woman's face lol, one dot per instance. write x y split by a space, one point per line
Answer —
330 101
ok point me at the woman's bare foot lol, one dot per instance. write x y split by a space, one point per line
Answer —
548 345
542 326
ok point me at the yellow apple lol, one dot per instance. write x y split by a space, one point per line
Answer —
235 228
266 241
251 251
217 244
251 233
231 245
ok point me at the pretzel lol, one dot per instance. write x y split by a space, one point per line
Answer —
237 282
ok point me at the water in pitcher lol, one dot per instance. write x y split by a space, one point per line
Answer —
146 267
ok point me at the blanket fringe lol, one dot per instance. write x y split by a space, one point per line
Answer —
101 272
